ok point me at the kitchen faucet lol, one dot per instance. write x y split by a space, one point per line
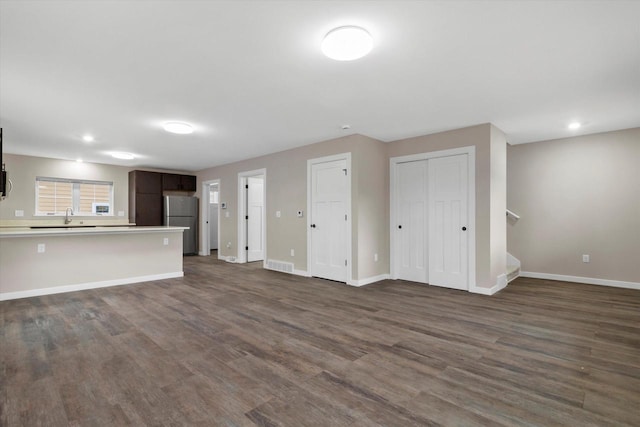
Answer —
67 214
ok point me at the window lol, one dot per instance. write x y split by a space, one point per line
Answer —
86 198
213 196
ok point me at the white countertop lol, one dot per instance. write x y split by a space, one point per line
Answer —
79 231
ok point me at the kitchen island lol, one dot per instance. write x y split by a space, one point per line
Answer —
41 261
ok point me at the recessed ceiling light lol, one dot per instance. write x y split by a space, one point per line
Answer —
345 127
178 127
79 160
122 155
88 138
347 43
574 125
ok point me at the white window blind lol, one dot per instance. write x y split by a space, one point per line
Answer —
55 195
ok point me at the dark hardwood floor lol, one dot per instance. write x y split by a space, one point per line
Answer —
236 345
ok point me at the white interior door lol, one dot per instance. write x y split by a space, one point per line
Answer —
255 220
448 215
411 227
329 192
213 217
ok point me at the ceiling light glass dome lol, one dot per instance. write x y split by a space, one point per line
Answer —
347 43
178 127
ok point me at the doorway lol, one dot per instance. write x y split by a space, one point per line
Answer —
433 218
329 217
252 216
210 219
214 200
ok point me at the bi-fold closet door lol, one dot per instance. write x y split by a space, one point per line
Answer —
431 197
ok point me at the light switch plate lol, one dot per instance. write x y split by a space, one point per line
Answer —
41 248
165 241
278 214
226 214
19 212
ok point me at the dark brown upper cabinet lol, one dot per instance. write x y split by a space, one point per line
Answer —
175 182
145 182
171 182
145 194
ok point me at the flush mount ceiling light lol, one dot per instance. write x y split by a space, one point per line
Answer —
347 43
122 155
574 125
88 138
178 127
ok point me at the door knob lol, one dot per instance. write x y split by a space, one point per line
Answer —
313 226
464 228
399 226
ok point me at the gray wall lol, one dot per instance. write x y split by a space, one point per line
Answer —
577 196
489 165
22 170
287 192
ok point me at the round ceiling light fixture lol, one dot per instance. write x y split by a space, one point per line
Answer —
122 155
180 128
88 138
574 125
347 43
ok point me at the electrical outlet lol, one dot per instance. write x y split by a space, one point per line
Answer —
226 214
19 212
375 257
120 213
293 253
228 245
41 248
586 258
165 241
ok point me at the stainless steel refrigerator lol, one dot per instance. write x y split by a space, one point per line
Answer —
182 211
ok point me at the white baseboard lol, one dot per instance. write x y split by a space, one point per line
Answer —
303 273
501 283
84 286
577 279
368 280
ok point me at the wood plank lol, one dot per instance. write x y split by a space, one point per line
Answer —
234 344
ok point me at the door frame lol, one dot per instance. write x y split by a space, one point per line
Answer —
326 159
204 218
242 212
470 151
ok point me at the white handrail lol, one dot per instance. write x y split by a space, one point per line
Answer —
513 214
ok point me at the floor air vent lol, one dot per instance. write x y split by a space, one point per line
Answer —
285 267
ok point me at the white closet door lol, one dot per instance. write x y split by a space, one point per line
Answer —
411 227
329 194
255 222
448 212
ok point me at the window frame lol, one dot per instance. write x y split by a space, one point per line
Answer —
75 196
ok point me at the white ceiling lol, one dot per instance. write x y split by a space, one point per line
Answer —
250 76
